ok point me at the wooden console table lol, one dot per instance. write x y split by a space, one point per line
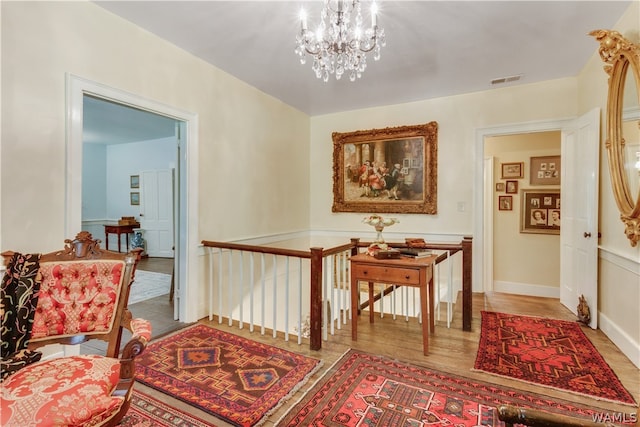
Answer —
405 271
118 229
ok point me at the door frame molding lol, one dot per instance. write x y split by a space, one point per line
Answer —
482 226
76 88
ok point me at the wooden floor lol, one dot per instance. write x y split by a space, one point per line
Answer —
451 349
159 265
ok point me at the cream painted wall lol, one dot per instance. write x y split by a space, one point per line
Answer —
510 246
619 266
253 153
458 118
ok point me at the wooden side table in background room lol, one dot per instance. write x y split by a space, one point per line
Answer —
119 230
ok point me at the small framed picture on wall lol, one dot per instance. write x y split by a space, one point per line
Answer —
135 181
512 187
545 170
135 198
500 186
505 203
512 170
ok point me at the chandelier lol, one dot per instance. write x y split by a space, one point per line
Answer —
340 44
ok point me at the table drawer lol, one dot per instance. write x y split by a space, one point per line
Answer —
390 275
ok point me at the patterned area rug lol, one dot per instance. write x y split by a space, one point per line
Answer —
373 391
235 379
146 411
149 284
548 352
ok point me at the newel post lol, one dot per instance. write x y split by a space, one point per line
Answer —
354 245
316 299
467 288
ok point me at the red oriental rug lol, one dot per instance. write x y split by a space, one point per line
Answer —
233 378
374 391
548 352
146 411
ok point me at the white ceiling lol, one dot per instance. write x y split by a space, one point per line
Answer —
434 48
105 122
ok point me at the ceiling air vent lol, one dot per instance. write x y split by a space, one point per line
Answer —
506 79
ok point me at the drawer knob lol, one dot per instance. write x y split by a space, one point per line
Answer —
407 276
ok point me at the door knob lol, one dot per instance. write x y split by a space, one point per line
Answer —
587 235
141 214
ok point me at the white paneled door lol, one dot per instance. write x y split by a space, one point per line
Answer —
579 213
156 211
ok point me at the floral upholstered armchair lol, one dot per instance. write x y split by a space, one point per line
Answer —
68 297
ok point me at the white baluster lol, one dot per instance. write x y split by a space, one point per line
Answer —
252 286
241 286
286 292
299 300
220 286
262 293
275 295
211 283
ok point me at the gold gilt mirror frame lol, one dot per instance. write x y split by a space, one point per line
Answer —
622 64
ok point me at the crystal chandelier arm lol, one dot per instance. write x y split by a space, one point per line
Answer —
307 43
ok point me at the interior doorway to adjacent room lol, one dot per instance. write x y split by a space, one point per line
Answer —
184 128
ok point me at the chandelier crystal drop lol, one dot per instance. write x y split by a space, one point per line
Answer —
340 43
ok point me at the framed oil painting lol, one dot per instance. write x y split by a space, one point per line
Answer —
390 170
544 170
540 211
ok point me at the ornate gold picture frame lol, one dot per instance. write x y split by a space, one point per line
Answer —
390 170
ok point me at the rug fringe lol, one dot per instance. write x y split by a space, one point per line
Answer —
577 393
289 395
329 369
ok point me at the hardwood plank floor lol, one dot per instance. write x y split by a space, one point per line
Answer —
159 265
451 349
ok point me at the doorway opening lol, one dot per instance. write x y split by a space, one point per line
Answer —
184 173
129 159
580 168
483 197
526 257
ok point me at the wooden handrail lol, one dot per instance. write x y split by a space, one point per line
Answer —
259 249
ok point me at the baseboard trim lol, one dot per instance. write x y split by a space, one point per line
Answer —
526 289
621 339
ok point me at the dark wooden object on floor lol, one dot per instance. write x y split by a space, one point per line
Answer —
512 415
